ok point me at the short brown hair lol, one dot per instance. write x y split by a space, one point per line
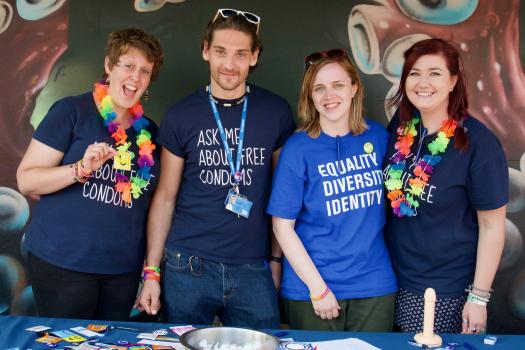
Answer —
237 22
309 115
120 41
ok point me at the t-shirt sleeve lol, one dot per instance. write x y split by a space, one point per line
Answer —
286 126
289 180
488 180
169 134
56 130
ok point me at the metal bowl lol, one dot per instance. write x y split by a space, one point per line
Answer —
195 339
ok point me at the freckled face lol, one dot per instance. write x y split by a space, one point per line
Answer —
128 78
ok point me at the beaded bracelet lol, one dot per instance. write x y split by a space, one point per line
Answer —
473 289
79 173
151 273
320 297
82 171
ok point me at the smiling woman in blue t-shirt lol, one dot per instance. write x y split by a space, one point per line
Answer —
93 163
328 209
447 183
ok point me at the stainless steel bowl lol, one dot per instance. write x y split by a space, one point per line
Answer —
227 336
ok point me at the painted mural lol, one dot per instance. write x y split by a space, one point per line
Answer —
53 48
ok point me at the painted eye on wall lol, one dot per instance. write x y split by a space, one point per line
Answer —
33 10
6 14
12 277
14 209
364 42
445 12
512 248
151 5
393 60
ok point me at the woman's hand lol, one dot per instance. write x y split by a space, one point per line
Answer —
96 155
327 308
474 318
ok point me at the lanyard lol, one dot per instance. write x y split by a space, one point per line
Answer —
234 170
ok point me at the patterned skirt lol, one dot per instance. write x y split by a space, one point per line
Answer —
409 313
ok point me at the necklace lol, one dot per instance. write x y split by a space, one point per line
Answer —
125 186
403 199
228 104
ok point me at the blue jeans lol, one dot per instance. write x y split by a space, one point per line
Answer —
196 290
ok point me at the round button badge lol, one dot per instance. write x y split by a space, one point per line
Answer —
368 147
237 176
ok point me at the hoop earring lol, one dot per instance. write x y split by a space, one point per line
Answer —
146 95
106 82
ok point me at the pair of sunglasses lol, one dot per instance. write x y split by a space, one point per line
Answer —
335 54
250 17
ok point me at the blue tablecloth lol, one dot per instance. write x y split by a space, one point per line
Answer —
14 335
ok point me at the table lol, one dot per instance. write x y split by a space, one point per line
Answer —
14 335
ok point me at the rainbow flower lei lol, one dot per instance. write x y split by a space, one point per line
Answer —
126 186
403 200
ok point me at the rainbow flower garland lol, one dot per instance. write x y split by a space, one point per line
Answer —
145 161
404 200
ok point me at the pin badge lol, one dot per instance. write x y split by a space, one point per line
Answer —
237 176
368 147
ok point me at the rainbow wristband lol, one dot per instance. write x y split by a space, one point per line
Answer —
151 273
152 269
320 297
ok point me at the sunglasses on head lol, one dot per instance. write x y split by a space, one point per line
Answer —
250 17
331 54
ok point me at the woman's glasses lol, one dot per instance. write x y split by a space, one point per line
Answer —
336 54
250 17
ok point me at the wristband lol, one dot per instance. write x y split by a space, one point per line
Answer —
476 299
476 291
277 259
152 268
151 273
320 297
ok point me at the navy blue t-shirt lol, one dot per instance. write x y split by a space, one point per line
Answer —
437 248
87 227
201 225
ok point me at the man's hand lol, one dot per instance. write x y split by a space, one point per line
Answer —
149 298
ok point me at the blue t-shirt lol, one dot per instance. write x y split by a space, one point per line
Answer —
437 248
201 225
87 227
333 188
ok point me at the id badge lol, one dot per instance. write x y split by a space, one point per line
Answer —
238 204
122 161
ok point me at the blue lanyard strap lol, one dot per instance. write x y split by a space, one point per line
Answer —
237 169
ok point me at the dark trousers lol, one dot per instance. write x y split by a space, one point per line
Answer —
374 314
70 294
